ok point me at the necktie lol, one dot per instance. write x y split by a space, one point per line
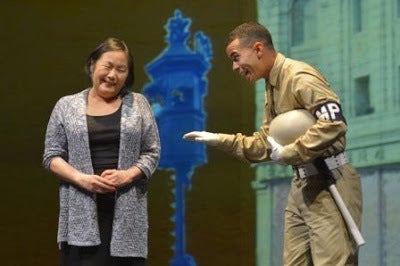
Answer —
270 90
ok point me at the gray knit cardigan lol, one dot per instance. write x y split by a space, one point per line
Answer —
67 137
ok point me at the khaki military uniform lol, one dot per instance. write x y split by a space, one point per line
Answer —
315 233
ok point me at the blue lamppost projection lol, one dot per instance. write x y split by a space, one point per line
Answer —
176 91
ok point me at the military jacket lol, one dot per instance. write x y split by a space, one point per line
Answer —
294 85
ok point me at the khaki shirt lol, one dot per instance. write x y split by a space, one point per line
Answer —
292 85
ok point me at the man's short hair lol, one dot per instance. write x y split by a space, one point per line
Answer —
250 32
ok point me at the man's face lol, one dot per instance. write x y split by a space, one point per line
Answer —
245 60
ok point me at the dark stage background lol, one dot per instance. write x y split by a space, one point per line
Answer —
44 45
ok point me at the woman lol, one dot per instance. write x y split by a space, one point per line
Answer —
103 144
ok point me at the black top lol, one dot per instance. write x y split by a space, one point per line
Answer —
104 135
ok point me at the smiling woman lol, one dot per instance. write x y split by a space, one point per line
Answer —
44 56
108 75
111 62
103 144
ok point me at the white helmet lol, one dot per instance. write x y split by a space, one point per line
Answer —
287 127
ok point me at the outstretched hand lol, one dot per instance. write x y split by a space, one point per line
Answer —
202 136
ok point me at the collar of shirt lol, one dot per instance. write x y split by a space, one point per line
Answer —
276 69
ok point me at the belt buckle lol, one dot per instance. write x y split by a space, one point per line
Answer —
302 172
336 161
306 170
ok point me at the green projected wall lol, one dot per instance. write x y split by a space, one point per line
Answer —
43 51
355 44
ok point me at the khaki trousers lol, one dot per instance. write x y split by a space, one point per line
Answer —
315 232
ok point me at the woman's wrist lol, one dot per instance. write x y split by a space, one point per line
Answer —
131 174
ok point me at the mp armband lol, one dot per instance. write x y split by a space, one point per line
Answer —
329 111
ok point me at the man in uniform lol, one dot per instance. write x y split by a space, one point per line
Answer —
314 231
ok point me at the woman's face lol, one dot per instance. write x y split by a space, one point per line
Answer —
109 73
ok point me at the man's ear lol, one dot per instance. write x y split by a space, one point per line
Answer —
258 48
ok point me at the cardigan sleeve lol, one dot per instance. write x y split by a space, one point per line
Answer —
150 147
55 138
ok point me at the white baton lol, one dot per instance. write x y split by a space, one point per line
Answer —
358 238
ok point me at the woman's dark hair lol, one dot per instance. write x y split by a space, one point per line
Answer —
112 44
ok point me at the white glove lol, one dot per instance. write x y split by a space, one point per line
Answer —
202 136
276 151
